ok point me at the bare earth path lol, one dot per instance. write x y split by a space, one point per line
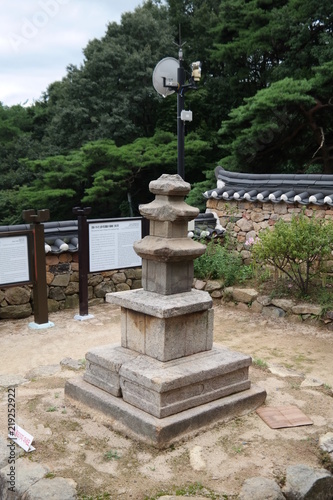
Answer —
80 444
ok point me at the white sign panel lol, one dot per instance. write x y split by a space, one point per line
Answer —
14 261
22 438
111 244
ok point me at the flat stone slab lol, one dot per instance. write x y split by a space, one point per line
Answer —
43 371
162 432
161 306
25 474
58 487
72 364
163 389
11 380
103 365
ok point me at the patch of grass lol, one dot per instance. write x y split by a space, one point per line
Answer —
260 363
192 489
238 449
34 402
102 496
51 409
326 460
50 475
326 389
111 455
70 425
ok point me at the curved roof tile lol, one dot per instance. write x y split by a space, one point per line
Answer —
288 188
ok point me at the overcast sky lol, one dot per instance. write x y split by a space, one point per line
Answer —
39 38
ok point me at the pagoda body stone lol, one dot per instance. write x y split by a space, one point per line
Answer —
166 379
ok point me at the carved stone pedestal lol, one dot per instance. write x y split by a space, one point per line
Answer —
166 379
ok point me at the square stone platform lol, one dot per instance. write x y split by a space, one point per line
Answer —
162 432
165 388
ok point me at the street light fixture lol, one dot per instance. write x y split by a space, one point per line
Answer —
171 82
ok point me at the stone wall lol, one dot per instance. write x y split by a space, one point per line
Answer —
62 275
250 300
244 219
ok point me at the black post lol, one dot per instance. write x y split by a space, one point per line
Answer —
39 282
180 122
83 237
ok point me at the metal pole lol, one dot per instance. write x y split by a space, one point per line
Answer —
180 122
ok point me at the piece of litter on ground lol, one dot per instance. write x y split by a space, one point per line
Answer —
283 416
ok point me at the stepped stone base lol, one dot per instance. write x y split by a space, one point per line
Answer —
103 364
163 389
160 433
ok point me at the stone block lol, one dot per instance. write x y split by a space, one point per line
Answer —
61 280
103 365
58 487
166 229
167 338
119 278
17 295
72 301
15 312
246 295
163 389
158 432
94 279
73 287
65 257
122 287
26 474
303 482
306 309
260 488
52 305
57 293
136 284
167 278
161 306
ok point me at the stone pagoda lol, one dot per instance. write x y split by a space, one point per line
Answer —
166 380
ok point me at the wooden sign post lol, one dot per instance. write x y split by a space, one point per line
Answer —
39 261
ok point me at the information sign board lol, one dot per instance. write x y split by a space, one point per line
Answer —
15 261
111 243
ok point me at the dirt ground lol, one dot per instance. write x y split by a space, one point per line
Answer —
80 444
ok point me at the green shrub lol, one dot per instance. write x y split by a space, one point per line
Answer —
219 262
296 248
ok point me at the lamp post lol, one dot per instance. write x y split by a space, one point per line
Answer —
164 80
180 122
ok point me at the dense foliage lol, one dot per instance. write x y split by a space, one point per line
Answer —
296 248
102 133
220 262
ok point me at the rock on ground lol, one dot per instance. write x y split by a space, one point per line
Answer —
52 489
260 488
25 474
305 483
